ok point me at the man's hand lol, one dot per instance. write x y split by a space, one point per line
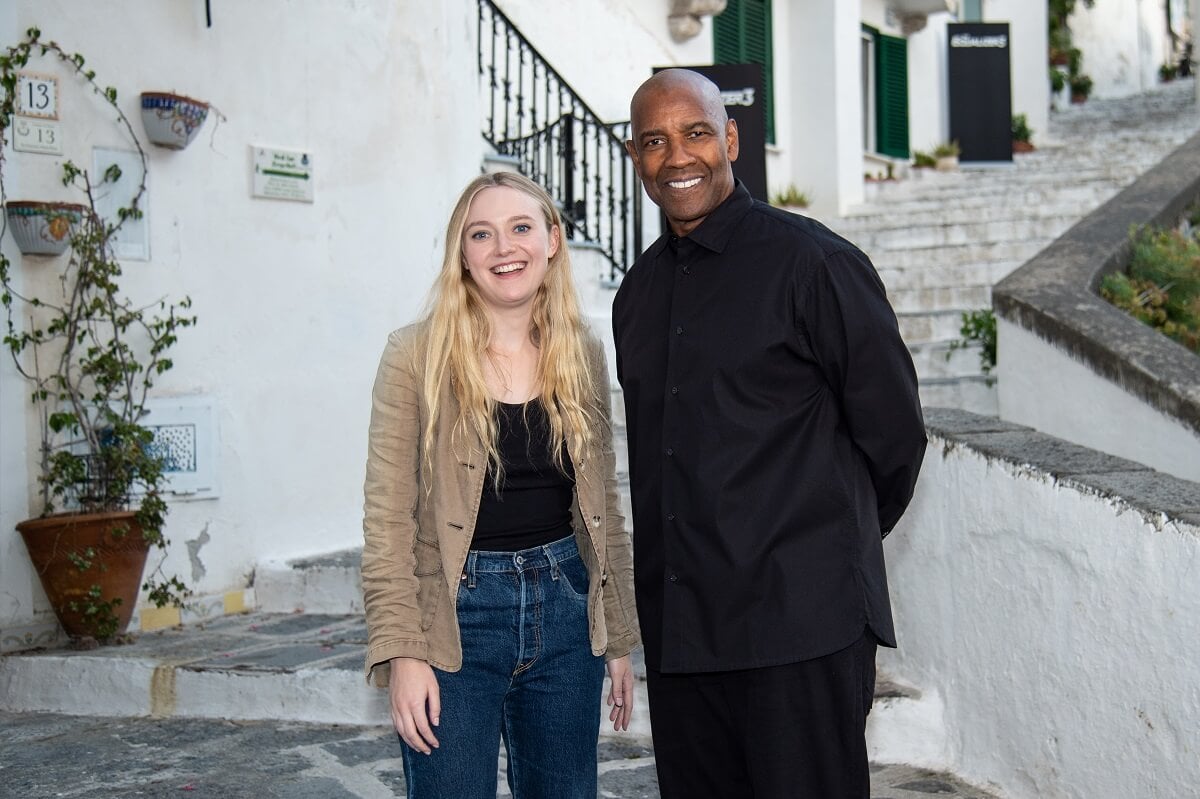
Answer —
416 702
620 695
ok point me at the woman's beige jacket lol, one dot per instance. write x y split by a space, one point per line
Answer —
419 519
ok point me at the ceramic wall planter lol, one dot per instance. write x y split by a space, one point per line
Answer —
42 228
172 120
120 558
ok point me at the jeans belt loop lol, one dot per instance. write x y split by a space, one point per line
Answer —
471 558
553 562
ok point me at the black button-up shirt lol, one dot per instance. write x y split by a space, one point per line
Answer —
775 435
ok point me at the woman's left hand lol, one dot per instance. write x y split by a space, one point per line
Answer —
620 695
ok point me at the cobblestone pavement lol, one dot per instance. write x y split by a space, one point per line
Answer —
52 755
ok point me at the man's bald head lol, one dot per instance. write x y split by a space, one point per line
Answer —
674 82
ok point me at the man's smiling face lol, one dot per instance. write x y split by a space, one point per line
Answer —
683 146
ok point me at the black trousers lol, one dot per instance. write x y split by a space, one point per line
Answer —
795 731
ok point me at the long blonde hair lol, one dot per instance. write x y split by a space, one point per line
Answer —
458 332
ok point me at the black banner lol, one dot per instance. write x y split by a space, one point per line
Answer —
980 76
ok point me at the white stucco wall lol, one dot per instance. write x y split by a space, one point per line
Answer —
1027 47
606 49
1043 387
1052 629
295 300
928 88
1123 42
820 131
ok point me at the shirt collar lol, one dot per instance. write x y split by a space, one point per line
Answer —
717 228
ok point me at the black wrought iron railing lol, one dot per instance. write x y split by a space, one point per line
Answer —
536 118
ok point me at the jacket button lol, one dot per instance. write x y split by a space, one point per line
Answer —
603 578
595 520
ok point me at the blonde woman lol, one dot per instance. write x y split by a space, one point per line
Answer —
497 571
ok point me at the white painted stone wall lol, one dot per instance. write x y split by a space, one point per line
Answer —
1053 631
294 300
606 48
1030 84
928 85
818 90
1045 388
1123 42
819 152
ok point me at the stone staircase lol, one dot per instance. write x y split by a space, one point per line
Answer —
941 240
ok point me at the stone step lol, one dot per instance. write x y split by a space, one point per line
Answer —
918 327
933 275
941 298
976 394
308 668
1019 203
939 359
951 255
1000 229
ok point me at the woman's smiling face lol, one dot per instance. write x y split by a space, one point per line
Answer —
507 247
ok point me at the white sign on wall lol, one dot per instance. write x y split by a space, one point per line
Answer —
185 436
37 136
37 95
283 174
35 129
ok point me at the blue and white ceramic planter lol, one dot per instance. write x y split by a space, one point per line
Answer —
172 120
42 228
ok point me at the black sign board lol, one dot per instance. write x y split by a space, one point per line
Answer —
980 90
741 87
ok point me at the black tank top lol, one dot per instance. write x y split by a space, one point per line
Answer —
533 504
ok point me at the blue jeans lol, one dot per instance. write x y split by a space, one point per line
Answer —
529 678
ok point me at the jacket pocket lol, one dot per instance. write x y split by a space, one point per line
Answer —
430 585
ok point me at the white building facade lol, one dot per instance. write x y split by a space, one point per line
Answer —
295 299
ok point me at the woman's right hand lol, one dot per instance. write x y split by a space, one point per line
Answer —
416 702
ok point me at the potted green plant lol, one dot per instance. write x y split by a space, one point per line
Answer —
923 160
791 198
1167 72
90 354
1081 88
1022 135
945 156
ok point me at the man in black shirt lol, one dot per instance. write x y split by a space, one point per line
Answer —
775 436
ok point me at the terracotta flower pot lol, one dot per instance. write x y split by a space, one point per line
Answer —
43 228
120 558
1022 146
172 120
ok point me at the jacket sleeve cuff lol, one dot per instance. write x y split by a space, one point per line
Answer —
379 657
621 646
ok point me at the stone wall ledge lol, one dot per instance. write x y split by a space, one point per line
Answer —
1056 296
1160 498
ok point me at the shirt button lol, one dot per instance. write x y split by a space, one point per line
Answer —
678 331
670 517
670 451
687 270
674 389
674 578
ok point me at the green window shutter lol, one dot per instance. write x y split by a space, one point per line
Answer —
891 95
742 35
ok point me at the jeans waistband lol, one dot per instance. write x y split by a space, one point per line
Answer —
546 556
